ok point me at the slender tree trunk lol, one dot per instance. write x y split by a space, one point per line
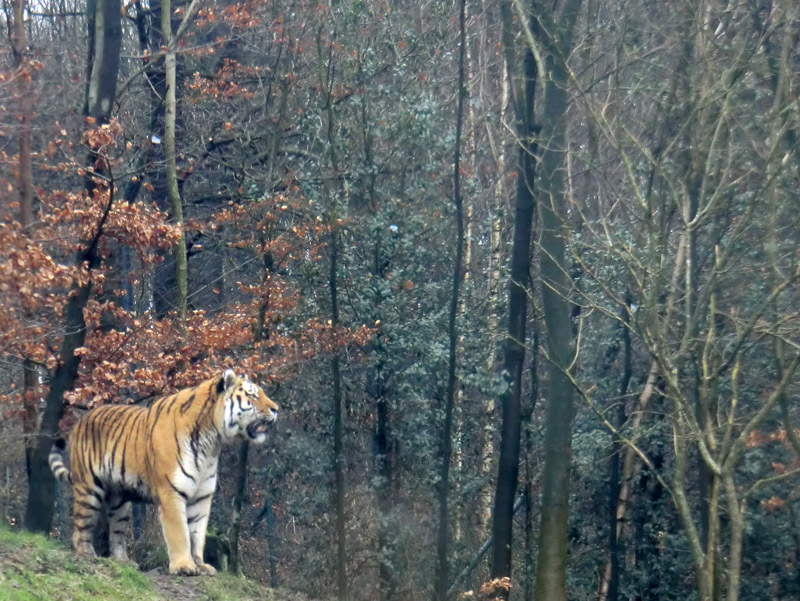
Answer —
387 581
173 190
556 285
106 34
339 490
235 529
130 193
615 526
19 48
487 544
272 541
528 455
30 410
30 401
260 332
383 459
523 89
101 90
338 430
492 327
630 461
162 283
387 578
268 516
440 590
41 484
514 357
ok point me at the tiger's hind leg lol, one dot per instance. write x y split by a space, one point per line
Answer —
88 502
119 517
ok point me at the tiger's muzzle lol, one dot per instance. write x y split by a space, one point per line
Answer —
257 429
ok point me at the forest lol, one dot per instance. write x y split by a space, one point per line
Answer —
522 275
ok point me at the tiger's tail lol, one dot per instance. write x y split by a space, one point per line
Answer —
56 461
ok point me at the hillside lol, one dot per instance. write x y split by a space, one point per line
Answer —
35 568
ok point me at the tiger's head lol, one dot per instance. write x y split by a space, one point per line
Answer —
246 410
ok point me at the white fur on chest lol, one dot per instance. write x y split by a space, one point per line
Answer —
196 473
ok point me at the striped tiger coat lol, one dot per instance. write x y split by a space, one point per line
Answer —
166 454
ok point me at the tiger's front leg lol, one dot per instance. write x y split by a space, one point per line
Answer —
197 512
172 514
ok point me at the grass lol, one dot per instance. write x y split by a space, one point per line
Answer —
36 568
226 587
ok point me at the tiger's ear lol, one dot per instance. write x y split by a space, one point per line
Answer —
229 380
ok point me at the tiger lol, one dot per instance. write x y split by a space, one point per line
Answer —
166 454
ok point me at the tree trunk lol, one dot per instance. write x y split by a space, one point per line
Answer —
387 582
30 401
101 89
551 202
268 516
630 461
383 459
24 108
30 410
492 330
523 89
440 590
173 191
41 484
338 408
487 544
148 24
528 454
105 35
260 332
615 550
338 430
272 541
235 566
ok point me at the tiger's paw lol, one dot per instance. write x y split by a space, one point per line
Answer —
184 568
121 556
207 568
85 550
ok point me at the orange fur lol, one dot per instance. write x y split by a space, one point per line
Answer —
166 454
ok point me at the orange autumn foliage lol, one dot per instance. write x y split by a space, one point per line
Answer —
258 330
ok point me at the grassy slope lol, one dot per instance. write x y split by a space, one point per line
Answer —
34 568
